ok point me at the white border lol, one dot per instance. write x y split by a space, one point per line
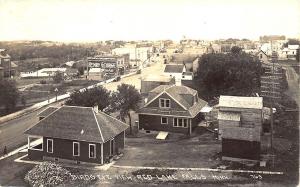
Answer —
162 122
48 146
78 148
187 122
165 99
95 153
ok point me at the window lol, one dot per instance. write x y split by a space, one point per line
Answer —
164 120
164 103
180 122
76 149
260 56
92 151
49 146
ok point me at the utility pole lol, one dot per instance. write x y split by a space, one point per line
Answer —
274 56
87 64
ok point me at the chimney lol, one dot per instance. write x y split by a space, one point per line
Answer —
95 108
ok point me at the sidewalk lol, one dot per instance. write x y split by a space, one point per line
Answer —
21 149
32 108
52 100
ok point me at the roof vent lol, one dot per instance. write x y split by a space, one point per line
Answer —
82 131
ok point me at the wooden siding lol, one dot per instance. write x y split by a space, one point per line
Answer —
174 104
118 147
248 116
241 133
151 122
63 148
241 149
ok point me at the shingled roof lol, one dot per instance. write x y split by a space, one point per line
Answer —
241 102
78 123
178 93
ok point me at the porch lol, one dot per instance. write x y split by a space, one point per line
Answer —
35 147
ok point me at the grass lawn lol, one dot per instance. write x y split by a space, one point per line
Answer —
24 82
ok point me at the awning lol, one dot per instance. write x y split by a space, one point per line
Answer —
162 135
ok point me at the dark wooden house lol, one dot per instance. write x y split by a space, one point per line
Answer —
76 134
240 127
171 108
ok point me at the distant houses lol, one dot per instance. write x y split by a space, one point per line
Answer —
262 56
171 108
45 72
137 54
7 67
178 71
110 64
289 52
76 135
240 127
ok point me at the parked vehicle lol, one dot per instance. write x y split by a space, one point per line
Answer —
118 78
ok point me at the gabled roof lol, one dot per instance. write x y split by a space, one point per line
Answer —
174 68
78 123
241 102
177 93
260 52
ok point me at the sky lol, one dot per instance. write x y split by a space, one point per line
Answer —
94 20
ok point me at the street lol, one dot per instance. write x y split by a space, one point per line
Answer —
11 132
293 82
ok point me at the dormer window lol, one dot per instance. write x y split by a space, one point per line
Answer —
164 103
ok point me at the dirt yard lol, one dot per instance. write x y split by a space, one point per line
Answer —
176 151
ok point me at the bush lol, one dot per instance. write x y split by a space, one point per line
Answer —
43 82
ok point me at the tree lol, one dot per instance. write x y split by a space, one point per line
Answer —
124 100
89 98
80 70
58 77
236 50
291 42
9 94
227 74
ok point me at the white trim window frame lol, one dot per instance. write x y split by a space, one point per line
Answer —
164 101
49 140
180 122
94 150
78 149
161 120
